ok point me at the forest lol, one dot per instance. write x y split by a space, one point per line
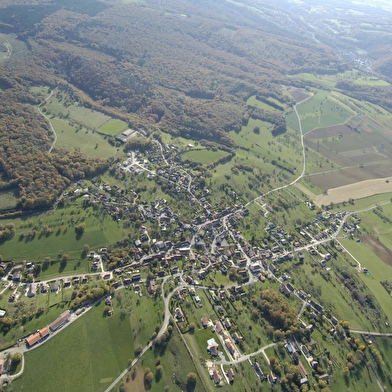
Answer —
183 67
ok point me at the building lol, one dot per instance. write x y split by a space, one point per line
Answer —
60 321
124 136
230 375
37 337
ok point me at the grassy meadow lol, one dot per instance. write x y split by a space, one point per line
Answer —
98 346
101 230
113 127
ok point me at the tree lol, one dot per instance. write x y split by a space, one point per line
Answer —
138 349
191 379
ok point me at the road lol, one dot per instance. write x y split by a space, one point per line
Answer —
9 48
47 118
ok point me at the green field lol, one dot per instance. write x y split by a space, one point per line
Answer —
71 138
378 271
113 127
99 347
100 231
7 199
88 118
253 101
206 157
322 111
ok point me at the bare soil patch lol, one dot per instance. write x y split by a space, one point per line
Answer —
298 94
326 132
134 379
354 191
377 247
352 175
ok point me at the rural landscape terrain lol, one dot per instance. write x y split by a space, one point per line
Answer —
195 195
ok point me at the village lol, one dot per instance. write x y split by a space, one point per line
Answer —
211 243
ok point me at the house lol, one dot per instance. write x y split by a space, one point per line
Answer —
179 315
44 288
284 290
151 287
324 377
230 375
258 371
219 328
237 337
32 289
215 375
227 323
212 347
55 287
230 346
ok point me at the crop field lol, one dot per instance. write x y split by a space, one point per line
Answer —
298 94
100 231
378 248
356 190
206 157
113 127
71 138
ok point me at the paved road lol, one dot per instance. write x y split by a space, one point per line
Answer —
246 357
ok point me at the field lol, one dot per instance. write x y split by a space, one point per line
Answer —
72 138
113 127
206 157
100 231
99 347
298 94
378 248
253 101
59 105
378 271
356 190
7 199
176 364
321 110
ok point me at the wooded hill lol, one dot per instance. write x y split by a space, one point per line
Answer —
186 67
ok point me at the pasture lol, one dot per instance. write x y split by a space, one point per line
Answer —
58 106
72 138
253 101
378 271
176 363
321 110
113 127
8 199
98 346
31 243
204 156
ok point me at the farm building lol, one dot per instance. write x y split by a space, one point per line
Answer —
60 321
37 337
125 135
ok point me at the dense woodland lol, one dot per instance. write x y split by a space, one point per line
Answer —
184 67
